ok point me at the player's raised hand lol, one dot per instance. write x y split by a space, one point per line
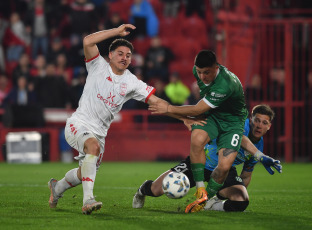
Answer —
159 107
123 30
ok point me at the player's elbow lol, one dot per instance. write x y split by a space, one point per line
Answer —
87 41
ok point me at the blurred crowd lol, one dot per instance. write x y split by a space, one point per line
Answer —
41 51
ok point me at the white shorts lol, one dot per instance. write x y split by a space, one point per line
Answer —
76 134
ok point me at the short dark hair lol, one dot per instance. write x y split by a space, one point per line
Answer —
263 109
205 58
120 42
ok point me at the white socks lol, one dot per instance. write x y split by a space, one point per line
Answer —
88 173
69 181
200 184
218 206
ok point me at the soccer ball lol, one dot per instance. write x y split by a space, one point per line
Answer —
176 185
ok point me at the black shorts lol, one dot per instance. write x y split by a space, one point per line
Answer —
185 167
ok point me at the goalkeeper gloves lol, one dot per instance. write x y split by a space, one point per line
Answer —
268 162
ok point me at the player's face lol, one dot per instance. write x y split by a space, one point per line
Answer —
120 59
260 124
207 74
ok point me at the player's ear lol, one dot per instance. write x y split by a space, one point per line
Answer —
110 55
269 126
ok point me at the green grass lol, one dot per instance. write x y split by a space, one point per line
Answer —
282 201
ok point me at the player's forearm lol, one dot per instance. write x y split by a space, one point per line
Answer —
99 36
189 110
246 177
248 145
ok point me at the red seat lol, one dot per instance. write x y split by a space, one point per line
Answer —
195 28
141 45
185 69
185 48
122 7
169 27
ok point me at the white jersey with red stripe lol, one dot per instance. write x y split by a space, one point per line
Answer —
104 94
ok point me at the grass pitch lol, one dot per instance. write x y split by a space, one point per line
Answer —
282 201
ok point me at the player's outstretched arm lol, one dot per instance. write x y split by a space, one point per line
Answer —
246 177
163 106
267 161
184 110
89 42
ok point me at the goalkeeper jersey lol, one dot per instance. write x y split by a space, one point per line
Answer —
242 156
225 95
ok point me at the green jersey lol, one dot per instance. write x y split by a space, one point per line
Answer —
224 95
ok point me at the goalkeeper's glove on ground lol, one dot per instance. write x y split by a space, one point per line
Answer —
268 162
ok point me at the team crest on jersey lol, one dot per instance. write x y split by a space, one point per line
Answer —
109 78
123 89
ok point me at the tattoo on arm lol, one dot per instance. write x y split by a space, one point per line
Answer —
227 152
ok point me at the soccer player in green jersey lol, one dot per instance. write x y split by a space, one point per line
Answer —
223 104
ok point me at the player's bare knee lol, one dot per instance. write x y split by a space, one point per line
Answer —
92 147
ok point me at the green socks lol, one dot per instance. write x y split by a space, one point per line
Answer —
198 171
213 187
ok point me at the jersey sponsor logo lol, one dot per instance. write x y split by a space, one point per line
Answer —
214 94
149 89
109 78
106 101
111 97
87 179
123 89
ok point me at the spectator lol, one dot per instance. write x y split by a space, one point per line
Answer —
82 18
77 88
195 7
53 91
113 22
4 87
171 7
176 90
21 38
37 23
142 15
39 67
23 68
157 59
3 28
194 96
21 94
63 69
55 49
21 108
160 92
76 55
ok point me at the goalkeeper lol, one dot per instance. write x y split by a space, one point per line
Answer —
233 195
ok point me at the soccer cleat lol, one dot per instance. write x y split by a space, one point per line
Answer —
211 202
138 200
90 206
53 197
199 203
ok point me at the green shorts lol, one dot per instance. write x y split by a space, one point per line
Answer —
228 134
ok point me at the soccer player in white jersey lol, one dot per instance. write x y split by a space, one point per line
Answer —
109 85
